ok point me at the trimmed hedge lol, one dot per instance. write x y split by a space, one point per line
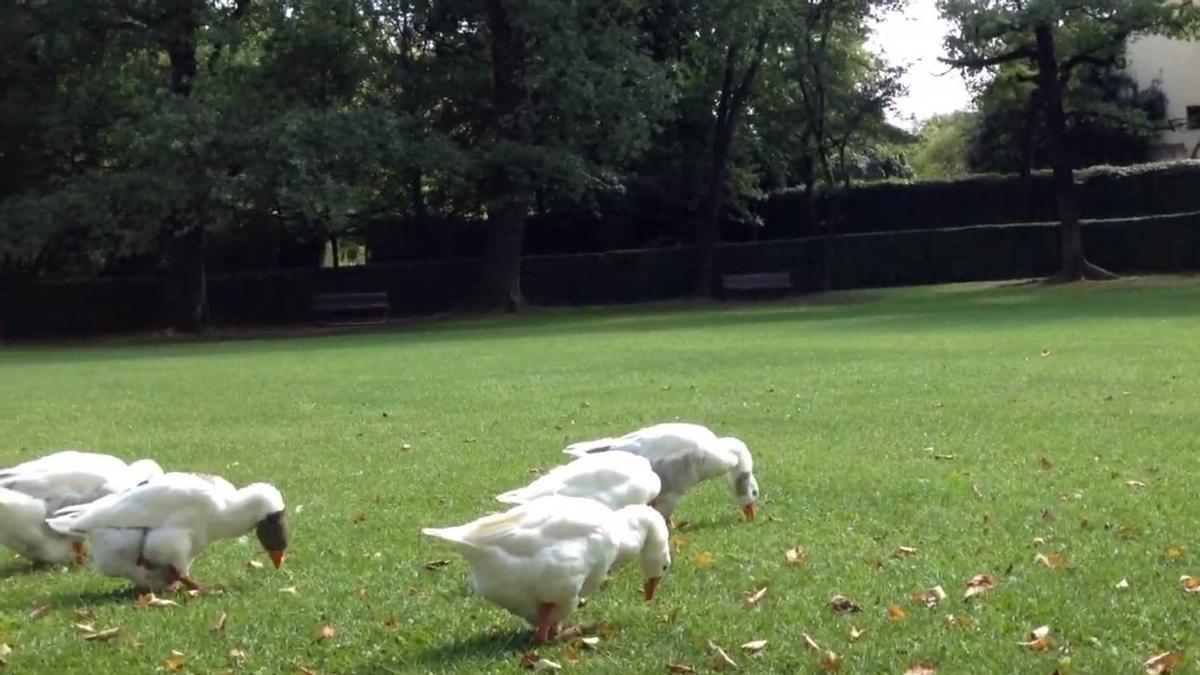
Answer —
1105 192
1150 244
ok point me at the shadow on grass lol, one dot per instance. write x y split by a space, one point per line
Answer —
457 653
19 568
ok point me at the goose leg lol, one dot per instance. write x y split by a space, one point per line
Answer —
173 576
545 611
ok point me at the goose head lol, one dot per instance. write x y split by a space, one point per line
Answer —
654 550
270 527
741 477
144 470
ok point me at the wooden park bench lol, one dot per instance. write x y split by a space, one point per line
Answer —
353 308
773 283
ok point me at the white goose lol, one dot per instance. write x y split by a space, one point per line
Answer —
682 455
31 491
537 560
152 533
614 479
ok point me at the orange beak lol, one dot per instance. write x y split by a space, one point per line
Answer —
749 511
651 584
277 558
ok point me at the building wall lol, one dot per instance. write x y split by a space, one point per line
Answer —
1176 64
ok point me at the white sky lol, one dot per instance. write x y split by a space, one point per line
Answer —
913 37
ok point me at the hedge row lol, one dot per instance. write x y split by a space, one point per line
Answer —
1152 244
1105 192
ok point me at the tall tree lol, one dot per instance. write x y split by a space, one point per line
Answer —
1056 37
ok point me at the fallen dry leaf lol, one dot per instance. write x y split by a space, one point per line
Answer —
327 632
1044 463
1046 352
1053 560
1135 484
1173 553
831 662
756 597
306 671
680 668
842 605
921 668
1123 584
237 656
929 597
590 642
856 632
754 646
959 622
896 613
219 625
810 643
906 551
363 593
291 590
434 565
795 556
254 565
1039 640
1128 532
680 543
978 585
84 627
542 665
1163 663
720 660
1190 584
571 657
41 611
174 661
704 559
103 636
5 651
152 600
84 614
389 622
529 658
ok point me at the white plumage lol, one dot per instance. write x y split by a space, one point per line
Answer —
539 559
152 533
682 455
31 491
615 479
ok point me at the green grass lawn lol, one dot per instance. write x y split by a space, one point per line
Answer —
850 402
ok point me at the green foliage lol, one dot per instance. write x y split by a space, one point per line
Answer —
943 145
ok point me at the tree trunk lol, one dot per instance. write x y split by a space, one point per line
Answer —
1075 265
333 249
186 257
188 281
500 281
1026 173
729 108
415 182
832 213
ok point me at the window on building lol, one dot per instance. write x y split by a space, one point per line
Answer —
1193 117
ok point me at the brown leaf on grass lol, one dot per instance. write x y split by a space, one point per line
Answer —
40 611
704 559
306 671
896 613
84 628
327 632
843 605
1190 584
720 660
811 644
570 656
756 597
921 668
529 658
5 651
795 556
590 642
1136 484
1053 560
906 551
1044 464
173 662
1173 553
978 585
290 590
681 668
237 656
1039 640
929 597
435 565
359 517
856 633
219 625
831 662
680 543
152 600
254 565
958 622
103 635
389 622
754 646
1163 663
542 665
84 614
363 593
